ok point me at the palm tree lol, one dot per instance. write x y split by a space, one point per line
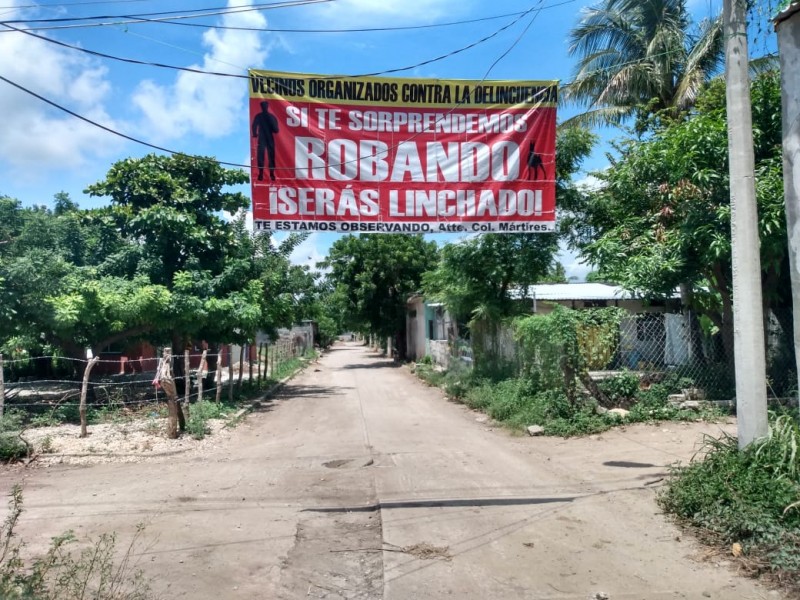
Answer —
637 57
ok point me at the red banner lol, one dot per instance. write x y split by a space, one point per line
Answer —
401 155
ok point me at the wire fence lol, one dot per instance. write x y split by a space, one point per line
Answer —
656 346
42 385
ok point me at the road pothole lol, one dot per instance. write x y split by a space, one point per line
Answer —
337 464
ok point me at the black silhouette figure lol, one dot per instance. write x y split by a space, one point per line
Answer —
535 163
265 126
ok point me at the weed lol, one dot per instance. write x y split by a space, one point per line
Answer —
62 575
46 445
12 446
621 388
749 496
200 413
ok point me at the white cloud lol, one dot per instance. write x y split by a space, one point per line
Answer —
573 264
590 183
308 253
360 13
35 135
204 104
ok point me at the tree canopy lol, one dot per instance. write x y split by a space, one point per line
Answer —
636 57
373 275
662 216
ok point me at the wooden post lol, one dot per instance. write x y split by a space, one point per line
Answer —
200 371
250 362
166 381
187 385
84 390
260 350
219 373
230 373
241 368
2 388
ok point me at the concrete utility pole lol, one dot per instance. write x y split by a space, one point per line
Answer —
787 24
748 312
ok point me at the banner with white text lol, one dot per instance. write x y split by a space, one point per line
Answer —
361 154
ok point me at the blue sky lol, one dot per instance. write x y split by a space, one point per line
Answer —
44 151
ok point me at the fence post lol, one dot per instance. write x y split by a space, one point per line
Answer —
200 370
167 382
241 367
219 373
2 388
230 373
250 362
260 350
84 390
187 385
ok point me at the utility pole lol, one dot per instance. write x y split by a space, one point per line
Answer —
787 25
748 312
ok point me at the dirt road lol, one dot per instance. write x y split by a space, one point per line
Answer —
361 482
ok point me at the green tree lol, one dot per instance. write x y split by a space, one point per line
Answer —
662 217
373 275
170 208
172 205
637 57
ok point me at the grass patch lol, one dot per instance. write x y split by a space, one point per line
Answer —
518 402
749 497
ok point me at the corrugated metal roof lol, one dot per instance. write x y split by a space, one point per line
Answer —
577 291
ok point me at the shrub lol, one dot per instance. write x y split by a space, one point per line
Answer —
749 496
620 388
12 446
61 575
200 413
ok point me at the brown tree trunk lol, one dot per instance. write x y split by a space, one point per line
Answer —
84 390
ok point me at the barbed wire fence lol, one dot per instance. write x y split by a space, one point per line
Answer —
124 384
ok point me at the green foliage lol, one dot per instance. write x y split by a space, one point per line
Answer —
199 415
565 344
475 277
661 217
520 402
94 573
636 58
372 277
749 496
12 447
621 388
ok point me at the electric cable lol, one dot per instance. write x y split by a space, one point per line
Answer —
185 13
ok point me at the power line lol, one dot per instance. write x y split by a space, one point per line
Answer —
109 129
185 13
173 21
519 17
62 4
122 58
